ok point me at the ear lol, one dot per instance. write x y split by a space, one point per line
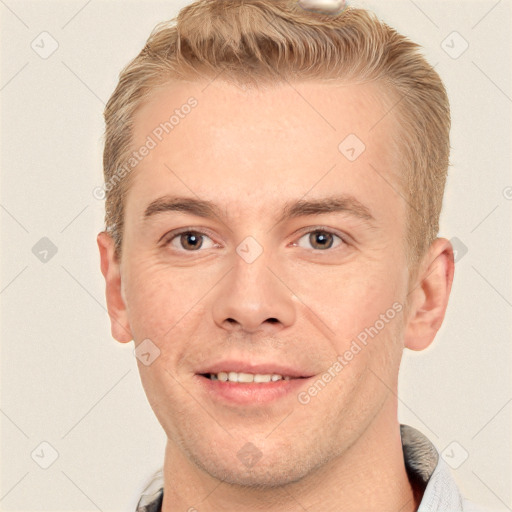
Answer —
428 298
110 268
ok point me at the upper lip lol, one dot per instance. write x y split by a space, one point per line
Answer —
251 367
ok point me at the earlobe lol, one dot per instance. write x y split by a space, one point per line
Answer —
110 268
428 298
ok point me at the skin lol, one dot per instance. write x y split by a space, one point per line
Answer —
298 303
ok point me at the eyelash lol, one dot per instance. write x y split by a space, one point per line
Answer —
317 229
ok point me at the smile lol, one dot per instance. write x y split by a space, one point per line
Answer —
238 383
246 378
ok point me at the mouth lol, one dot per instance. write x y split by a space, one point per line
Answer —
239 384
247 378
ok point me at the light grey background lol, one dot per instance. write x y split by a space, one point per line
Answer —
66 382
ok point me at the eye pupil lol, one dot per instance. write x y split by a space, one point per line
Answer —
196 240
321 237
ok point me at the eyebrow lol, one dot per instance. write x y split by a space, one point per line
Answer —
292 209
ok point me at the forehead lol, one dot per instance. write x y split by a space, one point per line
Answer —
286 139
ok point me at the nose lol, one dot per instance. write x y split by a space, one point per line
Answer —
253 297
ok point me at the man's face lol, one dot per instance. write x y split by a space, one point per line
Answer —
256 291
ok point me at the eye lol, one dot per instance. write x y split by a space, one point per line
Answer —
189 241
192 240
320 239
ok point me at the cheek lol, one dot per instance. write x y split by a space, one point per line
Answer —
166 397
342 303
161 300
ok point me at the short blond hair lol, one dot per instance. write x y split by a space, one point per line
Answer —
254 42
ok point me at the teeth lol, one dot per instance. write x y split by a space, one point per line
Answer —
247 377
262 378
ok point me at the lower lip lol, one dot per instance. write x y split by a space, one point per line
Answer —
250 393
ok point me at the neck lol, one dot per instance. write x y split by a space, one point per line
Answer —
370 475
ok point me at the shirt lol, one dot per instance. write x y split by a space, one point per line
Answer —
423 465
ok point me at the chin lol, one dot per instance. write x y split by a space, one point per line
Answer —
263 477
283 468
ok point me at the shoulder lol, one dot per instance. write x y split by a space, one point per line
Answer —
152 496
